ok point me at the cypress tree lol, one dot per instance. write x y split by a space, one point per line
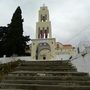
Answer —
3 32
15 41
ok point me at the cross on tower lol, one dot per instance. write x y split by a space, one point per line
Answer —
44 5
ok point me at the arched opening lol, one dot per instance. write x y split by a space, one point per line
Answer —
43 50
44 57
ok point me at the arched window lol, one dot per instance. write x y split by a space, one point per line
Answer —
43 18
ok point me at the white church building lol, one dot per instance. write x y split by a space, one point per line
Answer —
44 46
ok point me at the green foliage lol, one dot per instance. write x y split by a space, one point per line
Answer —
14 42
3 32
8 67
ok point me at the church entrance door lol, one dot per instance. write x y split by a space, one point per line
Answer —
44 58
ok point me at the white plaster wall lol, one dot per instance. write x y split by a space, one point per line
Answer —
63 57
82 64
9 59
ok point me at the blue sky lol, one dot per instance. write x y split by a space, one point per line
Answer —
70 18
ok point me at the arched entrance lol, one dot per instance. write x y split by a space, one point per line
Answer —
44 57
43 50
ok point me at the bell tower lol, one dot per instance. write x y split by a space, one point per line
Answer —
43 46
43 26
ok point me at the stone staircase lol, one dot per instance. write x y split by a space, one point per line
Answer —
46 75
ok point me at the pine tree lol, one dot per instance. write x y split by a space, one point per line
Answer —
15 41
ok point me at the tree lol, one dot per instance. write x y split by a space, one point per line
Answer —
3 32
15 41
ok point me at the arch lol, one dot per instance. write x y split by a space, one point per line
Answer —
41 47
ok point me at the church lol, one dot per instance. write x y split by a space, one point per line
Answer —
44 46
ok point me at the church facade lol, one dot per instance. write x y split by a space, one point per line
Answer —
45 46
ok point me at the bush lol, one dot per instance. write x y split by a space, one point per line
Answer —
8 67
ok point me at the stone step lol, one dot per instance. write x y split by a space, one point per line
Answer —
67 78
44 63
47 73
47 68
12 89
47 82
43 87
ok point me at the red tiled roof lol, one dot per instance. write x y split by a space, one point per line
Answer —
67 45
